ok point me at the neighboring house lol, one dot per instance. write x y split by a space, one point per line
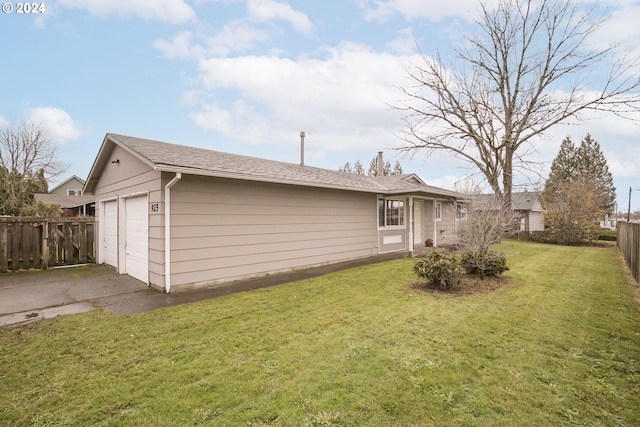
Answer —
525 204
71 205
68 194
72 186
178 217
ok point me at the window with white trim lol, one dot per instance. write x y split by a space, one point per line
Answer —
461 211
390 213
438 211
74 192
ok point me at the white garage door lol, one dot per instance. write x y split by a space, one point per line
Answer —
137 238
110 238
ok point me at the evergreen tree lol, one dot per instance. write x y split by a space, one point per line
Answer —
358 168
579 191
373 168
397 169
593 164
563 167
346 168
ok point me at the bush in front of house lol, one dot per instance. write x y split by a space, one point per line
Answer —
439 269
483 263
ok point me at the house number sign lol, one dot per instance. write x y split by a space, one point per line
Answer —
154 207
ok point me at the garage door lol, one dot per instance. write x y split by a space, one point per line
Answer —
137 238
110 238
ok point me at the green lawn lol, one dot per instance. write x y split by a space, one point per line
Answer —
559 345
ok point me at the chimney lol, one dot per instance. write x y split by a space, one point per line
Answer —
380 164
302 148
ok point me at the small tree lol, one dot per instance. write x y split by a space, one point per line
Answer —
572 211
487 222
27 159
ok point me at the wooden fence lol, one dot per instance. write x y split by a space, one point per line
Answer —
38 243
629 245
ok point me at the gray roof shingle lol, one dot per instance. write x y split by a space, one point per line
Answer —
165 156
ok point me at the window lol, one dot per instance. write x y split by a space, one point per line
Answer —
390 213
438 211
461 211
74 192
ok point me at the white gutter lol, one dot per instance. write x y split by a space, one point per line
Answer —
167 231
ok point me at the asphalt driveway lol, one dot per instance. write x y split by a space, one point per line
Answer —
34 295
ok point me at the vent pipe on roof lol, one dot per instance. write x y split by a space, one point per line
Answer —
302 134
380 164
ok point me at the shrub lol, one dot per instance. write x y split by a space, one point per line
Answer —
484 263
608 235
439 269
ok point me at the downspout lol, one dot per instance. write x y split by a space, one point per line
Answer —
167 231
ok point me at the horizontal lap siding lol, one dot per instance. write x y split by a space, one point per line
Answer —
224 229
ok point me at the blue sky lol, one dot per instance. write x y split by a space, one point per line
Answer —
246 76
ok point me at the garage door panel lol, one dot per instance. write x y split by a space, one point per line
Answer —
137 238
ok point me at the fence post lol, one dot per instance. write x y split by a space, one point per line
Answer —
45 245
4 247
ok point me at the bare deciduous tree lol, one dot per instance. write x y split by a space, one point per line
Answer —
487 220
27 160
530 67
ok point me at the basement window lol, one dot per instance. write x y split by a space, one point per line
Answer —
390 213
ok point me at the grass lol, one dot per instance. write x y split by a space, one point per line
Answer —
559 345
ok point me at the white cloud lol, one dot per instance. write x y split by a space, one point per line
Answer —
404 43
58 123
433 10
170 11
268 10
342 98
236 36
180 46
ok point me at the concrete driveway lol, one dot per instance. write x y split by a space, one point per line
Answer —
34 295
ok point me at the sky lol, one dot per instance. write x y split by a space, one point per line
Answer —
246 76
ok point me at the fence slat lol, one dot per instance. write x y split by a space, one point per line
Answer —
41 243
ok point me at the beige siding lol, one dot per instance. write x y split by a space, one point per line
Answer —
72 184
443 231
446 227
536 221
131 176
226 229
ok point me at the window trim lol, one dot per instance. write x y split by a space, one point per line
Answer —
382 213
461 211
437 210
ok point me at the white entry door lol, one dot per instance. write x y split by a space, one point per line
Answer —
110 230
137 238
